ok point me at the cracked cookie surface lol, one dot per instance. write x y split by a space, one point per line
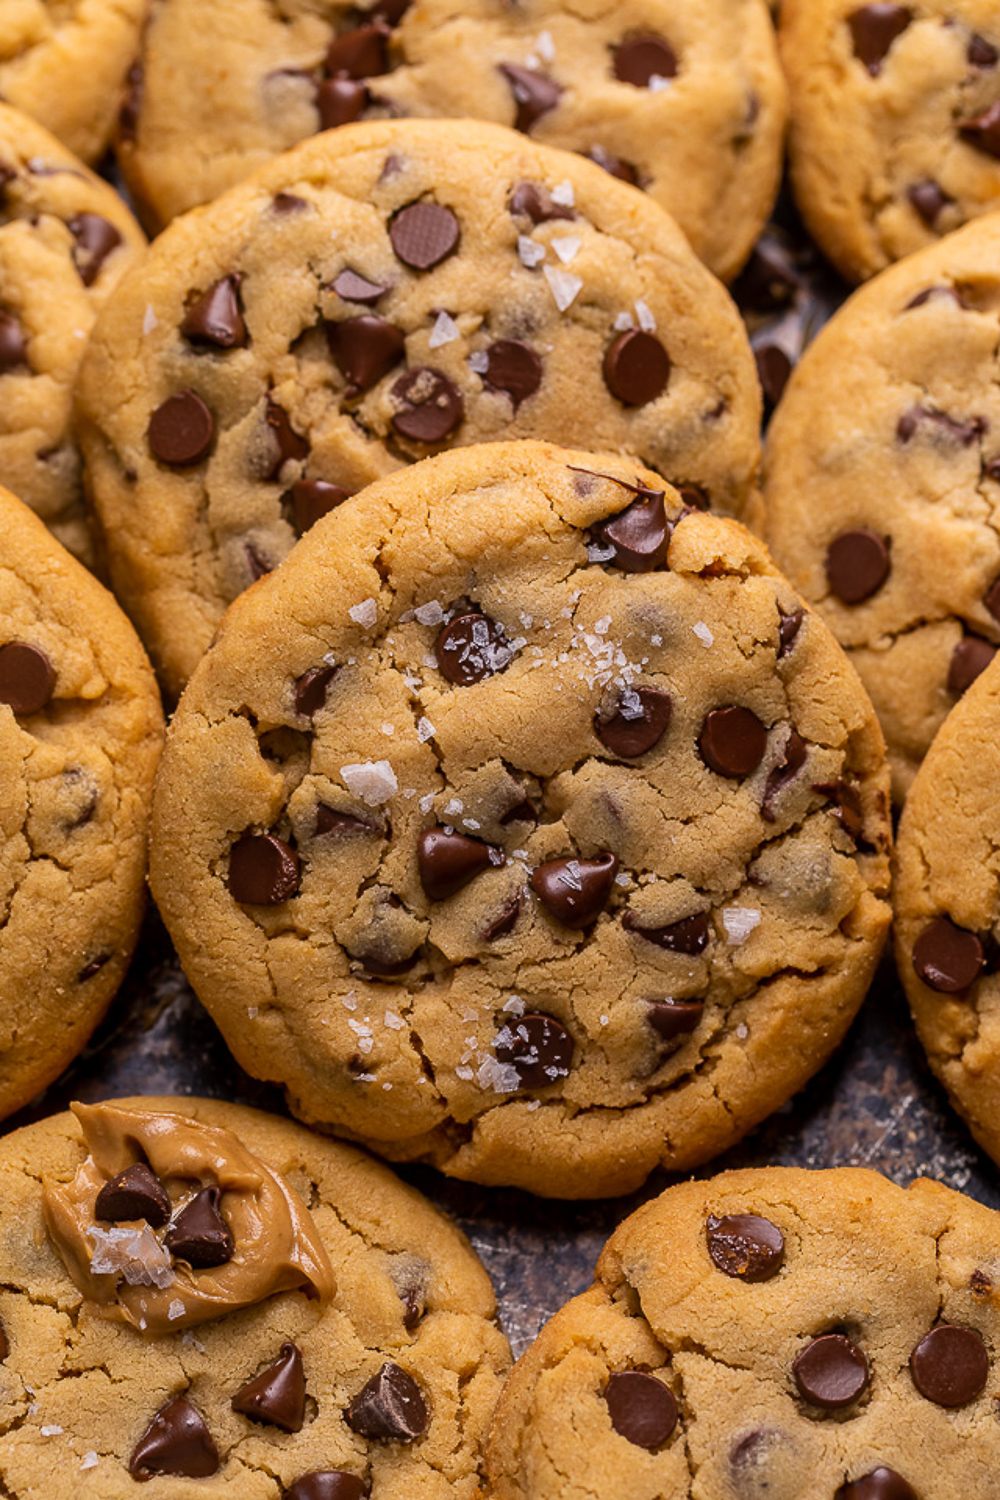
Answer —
823 1333
883 511
80 735
523 823
380 293
250 1402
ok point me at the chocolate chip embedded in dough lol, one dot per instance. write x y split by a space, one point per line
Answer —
636 723
639 534
359 53
199 1234
642 1409
774 369
847 808
327 1484
312 687
277 1396
364 349
258 564
424 234
964 432
950 1365
793 759
135 1193
857 565
429 406
13 344
929 199
831 1372
131 105
448 861
285 204
671 1019
514 368
537 1047
263 870
389 1406
351 286
177 1441
314 498
4 1343
181 430
95 239
636 367
689 935
332 820
471 647
879 1484
948 958
27 678
745 1246
644 57
535 94
613 165
340 101
981 53
992 599
971 656
983 131
732 741
769 281
214 319
874 28
291 445
505 920
788 630
530 200
94 967
575 891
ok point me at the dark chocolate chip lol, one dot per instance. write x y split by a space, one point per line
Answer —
199 1233
471 647
424 234
263 870
340 101
981 53
13 344
513 367
831 1372
879 1484
671 1019
278 1395
314 498
857 565
136 1193
642 1409
449 861
732 741
291 445
992 600
94 967
360 53
522 812
537 1047
874 28
774 370
965 433
644 57
413 1308
980 1284
384 969
530 200
288 203
689 935
928 198
788 630
131 105
4 1343
970 657
745 1246
613 165
327 1484
846 808
950 1365
983 131
177 1441
636 367
639 534
505 921
95 240
429 405
769 281
948 958
181 430
364 349
311 689
637 722
793 759
694 497
353 287
27 678
214 319
331 820
389 1406
258 564
575 891
535 94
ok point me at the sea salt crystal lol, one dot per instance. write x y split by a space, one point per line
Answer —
455 806
739 922
658 84
425 732
622 878
89 1460
365 613
743 1031
388 729
134 1253
656 640
465 1073
502 1078
566 247
426 802
150 320
514 1006
598 552
703 633
350 1001
563 194
605 1020
396 1023
623 322
252 1012
472 823
479 360
646 320
374 781
175 1310
563 285
51 1431
531 254
545 46
430 613
445 331
603 625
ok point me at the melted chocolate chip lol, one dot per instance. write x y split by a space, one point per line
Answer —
340 101
880 1484
638 722
774 369
981 53
643 58
214 320
471 647
769 281
288 203
613 165
537 1047
535 93
177 1441
929 199
846 808
970 657
504 922
575 891
291 445
27 678
327 1484
688 936
278 1395
732 741
793 759
636 367
857 565
330 820
389 1406
983 131
258 564
948 958
530 200
788 630
874 28
311 689
314 498
639 534
950 1365
199 1234
429 405
831 1372
449 861
13 344
136 1193
364 349
671 1019
642 1409
992 600
360 53
424 234
263 870
513 367
965 433
181 431
353 287
95 240
745 1246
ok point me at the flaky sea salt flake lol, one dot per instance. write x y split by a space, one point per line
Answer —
566 247
644 313
89 1460
703 633
739 922
563 285
365 613
531 254
445 331
563 194
133 1253
430 613
51 1430
374 781
425 732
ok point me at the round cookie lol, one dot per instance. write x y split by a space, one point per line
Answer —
352 1344
65 238
767 1335
687 102
80 735
947 907
379 293
883 488
522 823
895 134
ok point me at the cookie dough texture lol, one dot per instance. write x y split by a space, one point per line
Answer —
904 446
894 137
473 1015
877 1263
226 85
78 1390
76 777
65 238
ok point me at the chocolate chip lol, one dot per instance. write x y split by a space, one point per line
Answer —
535 93
880 1484
311 689
769 281
950 1365
732 741
389 1406
639 534
177 1441
981 53
136 1193
430 405
791 763
131 105
522 812
424 234
214 319
831 1372
637 722
181 430
745 1246
327 1484
671 1019
331 820
27 678
288 203
530 200
642 1409
636 367
364 349
980 1285
4 1343
340 101
514 368
360 53
575 891
965 433
471 647
291 445
353 287
449 861
644 57
258 564
537 1047
847 808
13 344
278 1395
947 957
413 1308
774 370
263 870
505 921
314 498
992 600
874 28
95 240
94 967
857 565
689 935
613 165
970 657
199 1233
983 131
788 630
928 198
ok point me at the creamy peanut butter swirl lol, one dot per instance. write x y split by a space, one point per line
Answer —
126 1269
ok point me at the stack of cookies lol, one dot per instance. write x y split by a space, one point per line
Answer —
525 806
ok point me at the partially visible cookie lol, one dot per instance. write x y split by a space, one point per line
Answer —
80 734
769 1335
895 133
211 1301
687 101
65 238
522 822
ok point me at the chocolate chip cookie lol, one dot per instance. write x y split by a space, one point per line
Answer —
213 1301
895 135
524 823
376 295
80 735
883 483
769 1335
65 238
687 102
